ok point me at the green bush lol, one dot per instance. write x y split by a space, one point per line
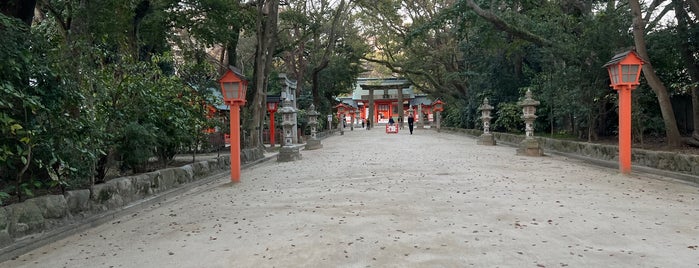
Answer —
509 118
137 145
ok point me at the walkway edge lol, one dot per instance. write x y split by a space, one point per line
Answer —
679 177
32 242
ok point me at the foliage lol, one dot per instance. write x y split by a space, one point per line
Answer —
137 145
508 118
457 114
77 101
92 83
468 49
322 49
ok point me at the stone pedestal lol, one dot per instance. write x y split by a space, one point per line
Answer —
486 139
530 147
289 153
313 144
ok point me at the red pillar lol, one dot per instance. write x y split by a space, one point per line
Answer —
625 129
271 129
235 142
376 114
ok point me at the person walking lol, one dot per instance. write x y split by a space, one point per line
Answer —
411 120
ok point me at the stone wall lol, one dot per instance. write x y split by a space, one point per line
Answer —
45 213
30 223
661 160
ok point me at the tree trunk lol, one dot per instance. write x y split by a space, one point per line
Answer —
141 11
298 60
231 46
222 59
683 22
315 90
266 39
329 48
671 132
298 65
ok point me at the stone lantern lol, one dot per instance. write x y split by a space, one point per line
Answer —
330 123
351 112
341 117
313 143
288 152
438 107
486 138
529 146
420 118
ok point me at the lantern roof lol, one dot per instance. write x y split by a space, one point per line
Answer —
528 101
626 57
232 74
273 98
485 106
312 111
287 107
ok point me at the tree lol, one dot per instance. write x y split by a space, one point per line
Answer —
320 38
327 49
426 55
266 31
671 132
686 29
91 83
209 23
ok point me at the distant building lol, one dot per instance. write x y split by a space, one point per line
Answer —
379 99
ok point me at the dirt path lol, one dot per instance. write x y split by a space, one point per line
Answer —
368 199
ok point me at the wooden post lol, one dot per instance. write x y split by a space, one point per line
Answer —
625 129
235 142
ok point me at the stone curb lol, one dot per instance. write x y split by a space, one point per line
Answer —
31 242
682 177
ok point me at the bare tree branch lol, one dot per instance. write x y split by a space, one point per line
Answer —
657 19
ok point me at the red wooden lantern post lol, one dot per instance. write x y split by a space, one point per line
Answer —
234 87
438 107
272 108
624 70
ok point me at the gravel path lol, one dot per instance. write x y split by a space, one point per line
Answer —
370 199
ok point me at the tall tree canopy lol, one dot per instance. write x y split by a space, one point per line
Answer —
471 49
89 84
